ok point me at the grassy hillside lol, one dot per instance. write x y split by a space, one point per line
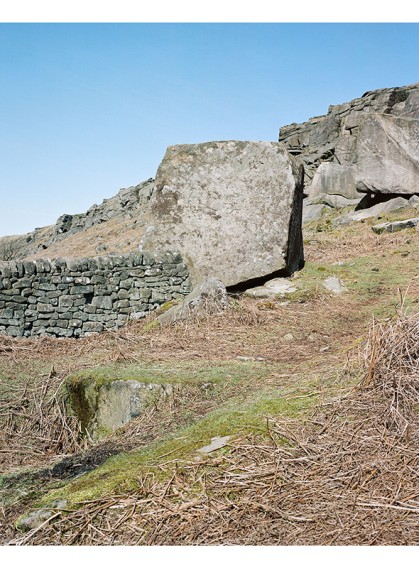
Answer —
318 452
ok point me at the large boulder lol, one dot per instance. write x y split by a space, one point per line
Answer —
386 155
232 209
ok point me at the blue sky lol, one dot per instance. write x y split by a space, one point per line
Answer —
89 108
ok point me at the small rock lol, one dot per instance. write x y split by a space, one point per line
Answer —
271 289
396 226
414 201
324 349
334 284
216 443
288 337
313 212
138 315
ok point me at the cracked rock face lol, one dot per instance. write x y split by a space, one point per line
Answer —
232 209
386 155
370 144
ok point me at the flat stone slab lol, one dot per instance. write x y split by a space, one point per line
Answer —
374 211
216 443
335 201
231 209
396 226
272 288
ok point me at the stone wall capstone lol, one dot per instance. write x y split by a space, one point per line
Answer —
77 297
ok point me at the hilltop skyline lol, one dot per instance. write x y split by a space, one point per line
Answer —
90 108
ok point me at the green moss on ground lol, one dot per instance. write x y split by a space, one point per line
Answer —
121 473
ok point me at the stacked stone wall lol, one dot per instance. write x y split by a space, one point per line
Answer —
77 297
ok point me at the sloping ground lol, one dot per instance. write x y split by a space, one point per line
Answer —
114 226
311 460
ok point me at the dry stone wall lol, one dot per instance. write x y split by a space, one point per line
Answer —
77 297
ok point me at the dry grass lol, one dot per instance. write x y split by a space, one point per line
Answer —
35 425
347 476
117 235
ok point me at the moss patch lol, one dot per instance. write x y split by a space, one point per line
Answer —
121 473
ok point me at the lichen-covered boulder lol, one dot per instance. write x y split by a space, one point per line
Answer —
232 209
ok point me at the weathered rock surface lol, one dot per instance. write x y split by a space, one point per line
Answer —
232 209
274 288
208 297
374 211
396 226
334 284
103 408
385 157
369 145
118 402
313 212
36 518
336 180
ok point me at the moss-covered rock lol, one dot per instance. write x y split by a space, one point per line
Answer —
103 405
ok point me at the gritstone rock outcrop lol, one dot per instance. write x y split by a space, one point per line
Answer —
370 144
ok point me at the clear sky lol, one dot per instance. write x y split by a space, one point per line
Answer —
89 108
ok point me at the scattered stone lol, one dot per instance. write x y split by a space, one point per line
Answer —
396 226
272 289
334 284
209 297
232 209
374 211
414 201
216 443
